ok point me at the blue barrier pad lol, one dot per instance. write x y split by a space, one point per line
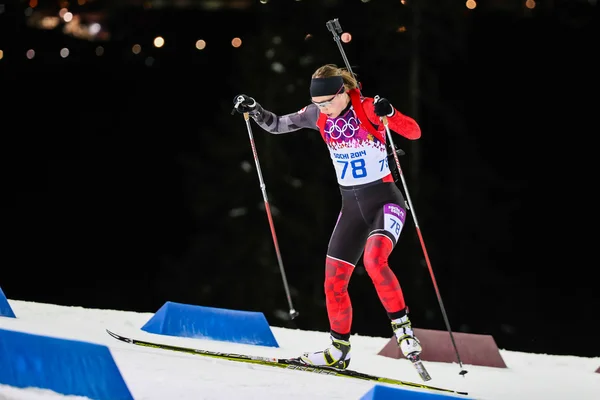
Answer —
65 366
381 392
5 310
184 320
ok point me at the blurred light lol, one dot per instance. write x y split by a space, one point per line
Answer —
270 53
62 12
238 212
365 1
159 41
402 1
236 42
136 49
30 53
471 4
200 44
401 29
68 16
99 50
278 67
346 37
1 54
149 61
28 12
264 1
308 36
81 2
49 22
530 4
276 40
95 28
64 52
246 167
306 60
75 28
33 3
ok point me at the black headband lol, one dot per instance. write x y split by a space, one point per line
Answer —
326 86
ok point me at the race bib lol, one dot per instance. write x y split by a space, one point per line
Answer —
393 219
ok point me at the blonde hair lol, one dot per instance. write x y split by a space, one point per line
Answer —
329 70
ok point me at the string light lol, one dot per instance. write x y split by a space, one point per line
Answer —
159 41
200 44
95 28
50 22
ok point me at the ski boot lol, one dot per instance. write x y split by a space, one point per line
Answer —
337 355
408 343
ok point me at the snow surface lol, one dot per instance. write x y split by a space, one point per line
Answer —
154 374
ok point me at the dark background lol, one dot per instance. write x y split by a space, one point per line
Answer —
126 181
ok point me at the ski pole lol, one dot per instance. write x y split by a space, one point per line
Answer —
335 28
414 215
263 188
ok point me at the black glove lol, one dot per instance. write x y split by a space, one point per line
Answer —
382 107
243 104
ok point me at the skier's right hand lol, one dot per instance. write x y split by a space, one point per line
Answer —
244 104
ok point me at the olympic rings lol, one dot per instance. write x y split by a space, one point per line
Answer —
341 127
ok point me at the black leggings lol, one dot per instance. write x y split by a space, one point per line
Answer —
377 207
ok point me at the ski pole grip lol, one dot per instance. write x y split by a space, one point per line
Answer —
238 101
334 27
384 118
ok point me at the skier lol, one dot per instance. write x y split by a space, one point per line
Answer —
373 207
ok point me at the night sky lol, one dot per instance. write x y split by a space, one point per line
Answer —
127 182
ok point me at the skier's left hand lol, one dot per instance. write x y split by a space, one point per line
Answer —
244 104
382 107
